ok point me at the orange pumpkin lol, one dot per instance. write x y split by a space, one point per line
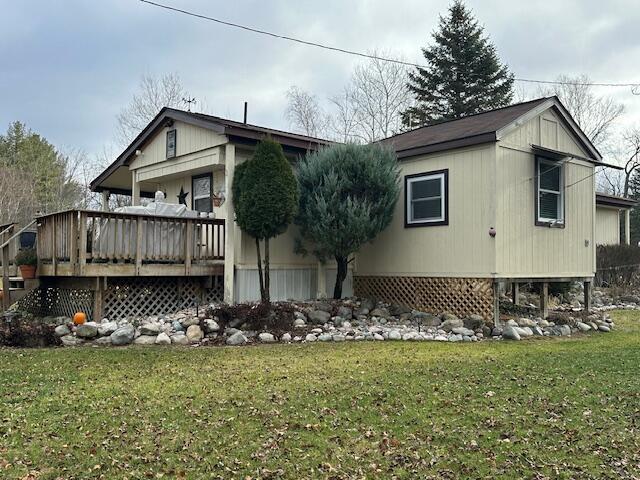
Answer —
79 318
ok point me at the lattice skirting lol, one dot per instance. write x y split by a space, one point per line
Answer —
460 296
57 302
143 296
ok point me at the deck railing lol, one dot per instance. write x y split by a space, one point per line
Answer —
78 238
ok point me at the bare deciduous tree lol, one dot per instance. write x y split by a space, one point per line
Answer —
304 112
153 94
619 182
17 195
594 114
368 109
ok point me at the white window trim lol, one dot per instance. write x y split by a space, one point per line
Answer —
443 193
560 193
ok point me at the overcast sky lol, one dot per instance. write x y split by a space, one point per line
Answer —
69 67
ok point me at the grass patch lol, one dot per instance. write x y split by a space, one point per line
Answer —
551 408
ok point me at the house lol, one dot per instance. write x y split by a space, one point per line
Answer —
609 209
506 195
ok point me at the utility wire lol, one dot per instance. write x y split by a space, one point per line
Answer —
634 86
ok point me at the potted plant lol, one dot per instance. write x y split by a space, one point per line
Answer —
27 260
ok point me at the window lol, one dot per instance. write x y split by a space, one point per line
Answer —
549 192
202 193
171 143
426 199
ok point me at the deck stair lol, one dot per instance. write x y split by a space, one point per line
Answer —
19 287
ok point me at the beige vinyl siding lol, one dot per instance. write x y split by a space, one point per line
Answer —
189 139
527 250
607 226
462 248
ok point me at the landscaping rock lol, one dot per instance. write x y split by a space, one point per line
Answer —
145 340
474 322
210 325
150 329
286 338
163 339
319 317
194 333
368 304
510 333
123 335
237 338
103 341
394 335
177 326
324 337
188 321
450 323
427 319
463 331
107 328
87 330
379 312
583 327
345 312
265 337
377 336
526 322
179 339
62 330
70 341
604 328
299 323
523 331
310 338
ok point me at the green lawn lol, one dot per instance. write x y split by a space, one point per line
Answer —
551 408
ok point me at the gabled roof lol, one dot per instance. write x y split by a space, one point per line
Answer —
235 131
483 127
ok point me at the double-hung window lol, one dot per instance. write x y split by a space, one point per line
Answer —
549 192
202 187
426 199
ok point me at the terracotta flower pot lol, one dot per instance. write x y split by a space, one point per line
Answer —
27 271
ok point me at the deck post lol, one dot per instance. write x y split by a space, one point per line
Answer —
544 299
135 189
188 246
627 227
230 226
496 305
139 245
587 296
6 292
82 243
97 301
105 200
515 293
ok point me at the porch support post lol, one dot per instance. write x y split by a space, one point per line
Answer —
515 292
97 300
544 299
105 200
587 296
321 281
496 304
230 226
627 226
135 189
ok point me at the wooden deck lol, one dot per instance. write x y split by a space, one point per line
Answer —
86 243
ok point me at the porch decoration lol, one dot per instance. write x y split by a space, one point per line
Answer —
218 199
27 260
79 318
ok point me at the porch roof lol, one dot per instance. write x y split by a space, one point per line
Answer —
236 132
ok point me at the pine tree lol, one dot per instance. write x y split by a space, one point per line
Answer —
463 73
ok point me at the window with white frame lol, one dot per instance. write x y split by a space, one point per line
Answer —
550 192
202 193
426 199
171 143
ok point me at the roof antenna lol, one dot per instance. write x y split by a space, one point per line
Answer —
189 101
245 113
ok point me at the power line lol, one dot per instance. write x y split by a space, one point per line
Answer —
362 54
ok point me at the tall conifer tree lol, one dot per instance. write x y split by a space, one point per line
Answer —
463 74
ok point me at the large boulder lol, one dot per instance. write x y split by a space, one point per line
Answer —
583 327
70 341
145 340
318 317
194 333
87 330
210 325
179 339
123 335
150 329
237 338
163 339
426 319
474 322
379 312
450 323
344 312
107 328
526 322
510 333
266 337
62 330
463 331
